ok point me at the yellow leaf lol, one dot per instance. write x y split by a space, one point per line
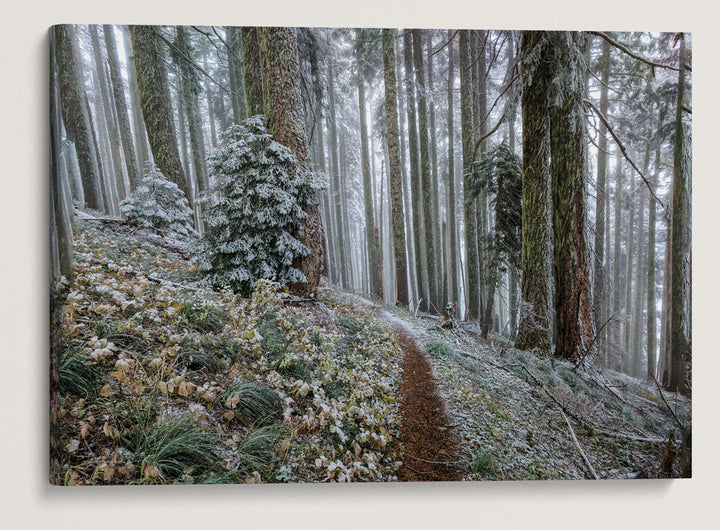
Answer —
106 391
109 431
229 415
84 429
152 472
185 389
163 387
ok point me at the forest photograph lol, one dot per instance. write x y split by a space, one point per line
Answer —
311 255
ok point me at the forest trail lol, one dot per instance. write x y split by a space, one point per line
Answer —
429 441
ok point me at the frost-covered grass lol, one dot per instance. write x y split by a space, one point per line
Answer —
188 385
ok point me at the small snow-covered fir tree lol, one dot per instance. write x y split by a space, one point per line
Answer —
158 204
254 210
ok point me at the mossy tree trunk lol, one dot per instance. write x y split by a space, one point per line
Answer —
397 215
415 178
235 69
567 147
469 210
156 105
599 306
141 141
252 69
371 229
681 315
453 280
121 110
534 323
282 105
74 114
426 184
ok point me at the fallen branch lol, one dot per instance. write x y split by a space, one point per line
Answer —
579 447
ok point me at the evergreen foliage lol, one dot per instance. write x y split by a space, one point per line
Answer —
499 172
158 204
254 210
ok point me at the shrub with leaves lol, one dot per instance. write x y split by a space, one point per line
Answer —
158 204
254 211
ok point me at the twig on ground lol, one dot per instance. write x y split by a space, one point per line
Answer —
579 447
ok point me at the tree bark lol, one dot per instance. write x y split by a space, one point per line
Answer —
156 106
282 104
599 308
118 88
534 324
681 318
415 177
453 279
567 147
74 113
371 230
425 176
253 72
469 211
397 215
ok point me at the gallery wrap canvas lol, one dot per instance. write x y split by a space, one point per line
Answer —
304 255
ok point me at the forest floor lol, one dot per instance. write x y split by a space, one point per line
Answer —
163 380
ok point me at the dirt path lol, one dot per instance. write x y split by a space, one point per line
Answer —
429 441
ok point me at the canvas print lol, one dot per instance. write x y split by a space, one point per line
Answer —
290 255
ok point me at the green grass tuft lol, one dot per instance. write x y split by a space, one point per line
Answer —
438 348
78 376
257 450
176 445
274 340
349 324
201 317
254 404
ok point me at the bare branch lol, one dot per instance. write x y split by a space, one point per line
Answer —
624 49
625 153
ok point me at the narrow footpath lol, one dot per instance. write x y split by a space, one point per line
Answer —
429 441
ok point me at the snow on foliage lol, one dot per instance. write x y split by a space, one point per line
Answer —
254 211
158 204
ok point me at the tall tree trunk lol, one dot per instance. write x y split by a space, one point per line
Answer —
190 93
651 319
534 325
101 169
341 241
453 279
599 308
60 206
371 230
469 211
254 82
425 175
74 113
211 112
141 140
415 178
237 76
681 318
397 215
435 189
567 146
156 106
638 294
118 88
109 129
282 104
616 350
629 260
